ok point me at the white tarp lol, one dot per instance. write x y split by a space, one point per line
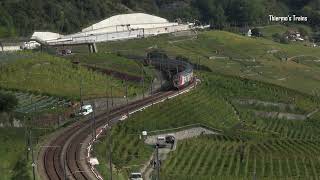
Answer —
122 20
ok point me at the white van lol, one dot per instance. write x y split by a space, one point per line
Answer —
85 110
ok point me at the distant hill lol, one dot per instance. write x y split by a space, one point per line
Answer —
22 17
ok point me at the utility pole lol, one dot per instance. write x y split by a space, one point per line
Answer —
110 150
142 80
111 97
177 68
198 63
158 162
81 103
107 95
151 90
33 164
26 136
161 70
64 169
254 175
28 144
94 120
127 98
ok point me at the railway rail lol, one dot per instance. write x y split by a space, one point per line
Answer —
61 160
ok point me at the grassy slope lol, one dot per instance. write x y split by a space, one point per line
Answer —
13 145
270 30
114 62
13 157
110 61
55 76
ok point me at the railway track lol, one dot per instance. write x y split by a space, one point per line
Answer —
61 159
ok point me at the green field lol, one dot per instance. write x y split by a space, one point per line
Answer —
253 58
45 74
268 31
14 161
13 146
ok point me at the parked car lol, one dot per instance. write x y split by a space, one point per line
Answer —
161 141
64 52
170 139
136 176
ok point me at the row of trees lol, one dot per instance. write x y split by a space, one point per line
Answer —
22 17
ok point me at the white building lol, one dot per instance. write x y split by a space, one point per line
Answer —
118 27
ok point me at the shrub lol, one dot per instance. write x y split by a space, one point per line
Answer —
7 102
256 32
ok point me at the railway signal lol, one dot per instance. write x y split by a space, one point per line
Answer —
158 162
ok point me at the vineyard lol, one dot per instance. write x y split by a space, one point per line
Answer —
265 148
11 57
220 156
227 103
198 106
233 54
31 103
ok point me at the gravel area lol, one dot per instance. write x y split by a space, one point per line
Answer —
147 169
183 134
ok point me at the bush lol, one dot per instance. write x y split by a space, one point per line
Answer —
280 38
20 170
303 31
7 102
256 32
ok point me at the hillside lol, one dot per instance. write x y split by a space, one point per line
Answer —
22 17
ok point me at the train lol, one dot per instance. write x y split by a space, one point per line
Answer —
179 72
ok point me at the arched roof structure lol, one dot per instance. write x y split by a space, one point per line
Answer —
133 19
